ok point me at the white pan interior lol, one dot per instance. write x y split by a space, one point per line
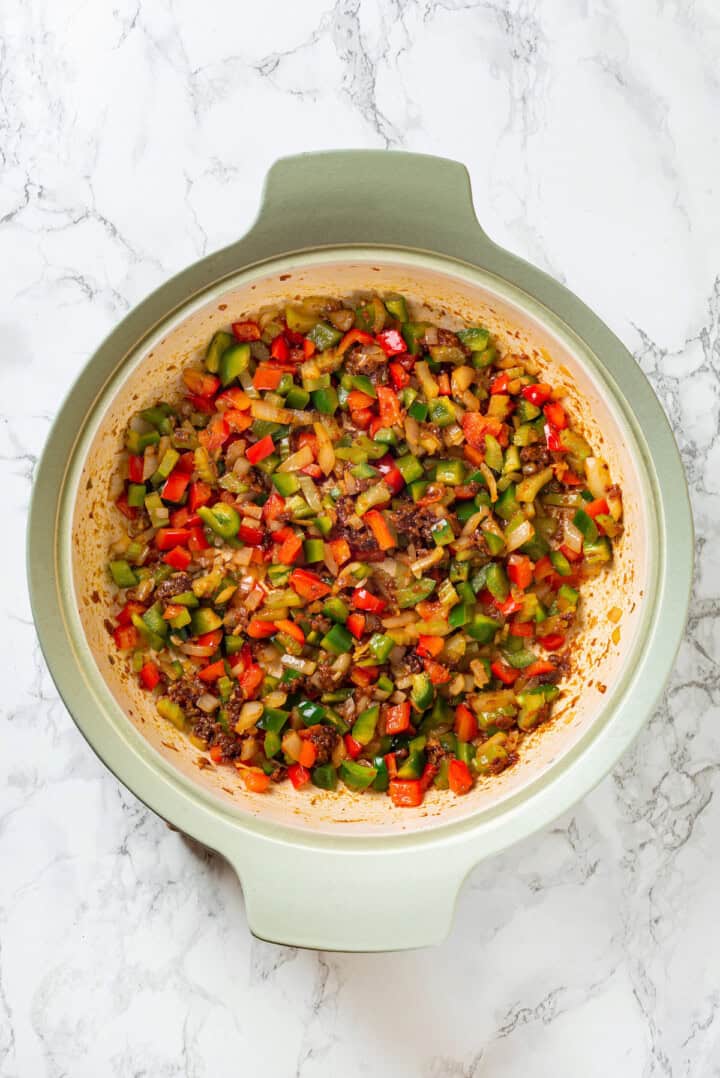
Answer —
437 290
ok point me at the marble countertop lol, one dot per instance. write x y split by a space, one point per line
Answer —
134 137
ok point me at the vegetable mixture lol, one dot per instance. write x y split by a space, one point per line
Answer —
355 549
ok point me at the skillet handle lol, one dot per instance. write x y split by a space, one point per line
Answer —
369 197
356 899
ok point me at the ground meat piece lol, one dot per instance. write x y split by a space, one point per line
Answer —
534 458
174 585
320 623
371 362
324 738
279 773
412 663
373 624
361 540
434 752
204 728
186 694
414 524
229 744
237 616
447 338
325 678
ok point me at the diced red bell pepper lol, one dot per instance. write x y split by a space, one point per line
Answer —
308 754
233 398
340 550
391 342
215 434
167 538
216 754
251 680
362 418
354 336
506 674
274 508
307 438
258 629
267 377
543 568
249 535
280 349
475 426
391 473
596 507
520 570
255 779
352 747
290 549
384 535
128 511
570 554
430 646
398 375
511 605
238 421
130 608
391 764
388 406
355 624
197 541
538 394
552 642
206 405
313 470
406 793
438 674
357 400
175 486
459 777
183 518
522 628
199 494
261 450
542 666
552 438
500 384
443 381
308 585
298 775
199 383
125 637
466 724
246 331
149 675
178 558
555 415
362 599
363 676
308 348
136 468
211 639
212 671
285 625
397 718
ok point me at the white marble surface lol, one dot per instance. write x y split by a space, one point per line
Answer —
134 137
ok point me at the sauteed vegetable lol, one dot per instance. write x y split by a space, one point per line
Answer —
355 549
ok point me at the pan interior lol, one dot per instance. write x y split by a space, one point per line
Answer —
446 292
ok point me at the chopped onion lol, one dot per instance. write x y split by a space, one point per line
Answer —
598 476
398 620
472 523
275 699
207 702
303 666
263 410
461 379
326 453
412 434
243 556
522 534
292 744
311 493
427 560
249 748
144 588
330 560
573 537
251 712
197 651
454 435
298 460
252 510
490 480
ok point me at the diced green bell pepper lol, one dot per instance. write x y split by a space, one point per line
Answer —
585 523
356 775
442 412
324 336
482 628
311 712
336 609
285 483
297 398
450 472
442 533
363 729
396 307
422 692
380 645
325 400
219 344
171 711
136 495
233 362
205 620
410 468
324 776
476 338
419 411
415 593
337 640
313 550
223 519
123 575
